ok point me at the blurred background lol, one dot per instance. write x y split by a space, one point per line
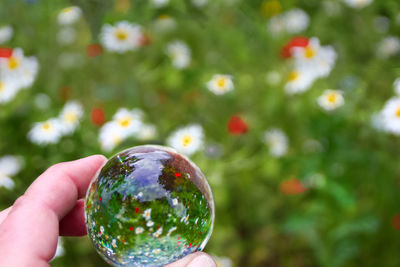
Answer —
291 109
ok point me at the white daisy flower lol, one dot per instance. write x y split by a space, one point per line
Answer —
358 3
158 232
66 36
42 101
220 84
390 116
129 121
47 132
159 3
8 90
187 140
114 243
185 219
122 37
110 136
396 86
149 223
388 47
69 15
325 62
70 116
276 25
147 214
296 20
6 182
6 33
174 201
331 99
199 3
180 54
139 230
317 58
29 70
308 53
292 21
147 132
164 23
276 141
22 70
12 65
9 166
273 78
156 251
172 229
299 80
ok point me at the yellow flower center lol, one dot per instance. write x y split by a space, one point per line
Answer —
332 98
46 126
13 63
398 112
70 117
66 10
271 8
293 76
121 34
309 52
187 140
221 82
125 122
164 16
1 86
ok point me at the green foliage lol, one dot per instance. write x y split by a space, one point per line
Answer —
343 221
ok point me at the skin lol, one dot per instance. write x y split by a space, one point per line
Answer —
52 206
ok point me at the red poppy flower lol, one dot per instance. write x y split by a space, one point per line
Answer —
294 42
145 40
98 116
93 50
5 52
396 222
292 187
237 125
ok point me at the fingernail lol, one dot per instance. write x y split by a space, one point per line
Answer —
202 261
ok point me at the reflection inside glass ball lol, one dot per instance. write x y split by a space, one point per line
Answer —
149 206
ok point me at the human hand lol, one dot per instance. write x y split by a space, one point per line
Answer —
53 206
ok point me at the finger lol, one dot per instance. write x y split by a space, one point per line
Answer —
198 259
28 236
62 184
73 224
3 214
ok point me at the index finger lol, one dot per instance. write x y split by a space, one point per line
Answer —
62 184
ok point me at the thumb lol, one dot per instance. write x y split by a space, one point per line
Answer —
198 259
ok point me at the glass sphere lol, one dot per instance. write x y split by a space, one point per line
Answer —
148 206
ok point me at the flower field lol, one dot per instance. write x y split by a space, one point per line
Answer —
290 108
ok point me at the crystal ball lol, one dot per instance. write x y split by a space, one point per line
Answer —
148 206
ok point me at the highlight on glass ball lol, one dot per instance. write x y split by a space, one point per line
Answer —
149 206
